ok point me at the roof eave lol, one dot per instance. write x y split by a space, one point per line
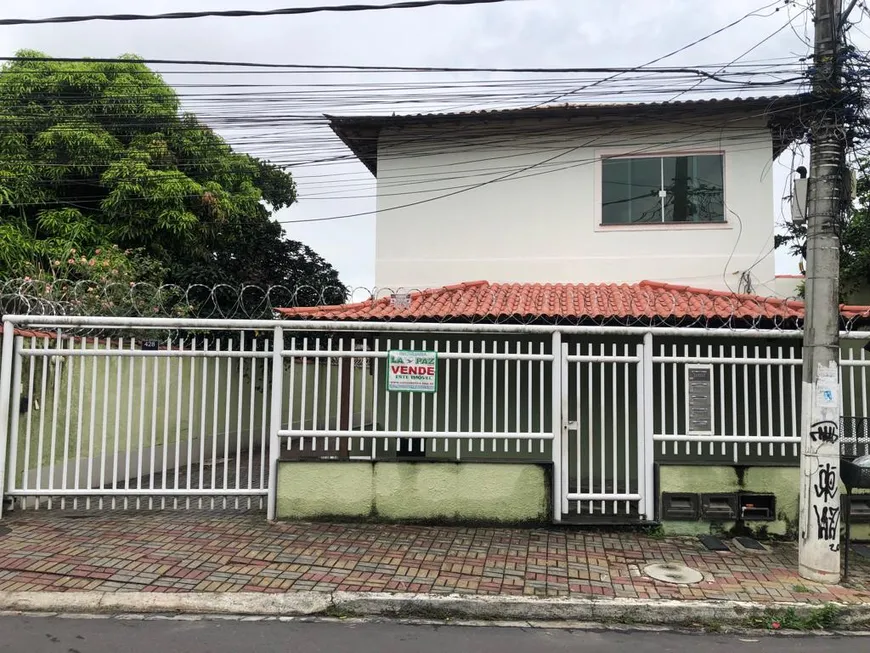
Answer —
361 133
367 155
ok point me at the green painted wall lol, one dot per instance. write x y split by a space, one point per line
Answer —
307 490
430 491
780 481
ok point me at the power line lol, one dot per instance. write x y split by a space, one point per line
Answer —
788 23
754 12
246 13
354 67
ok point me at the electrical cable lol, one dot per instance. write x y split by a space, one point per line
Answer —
247 13
734 23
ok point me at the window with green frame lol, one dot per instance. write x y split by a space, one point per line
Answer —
662 189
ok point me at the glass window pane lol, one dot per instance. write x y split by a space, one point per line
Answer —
711 184
646 181
616 192
630 191
694 189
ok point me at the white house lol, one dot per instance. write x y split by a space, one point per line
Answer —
677 192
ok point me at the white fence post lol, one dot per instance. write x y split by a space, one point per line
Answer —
275 410
647 449
5 399
559 421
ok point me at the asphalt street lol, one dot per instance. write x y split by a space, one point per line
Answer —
27 634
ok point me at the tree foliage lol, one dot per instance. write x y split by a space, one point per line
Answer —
854 233
103 177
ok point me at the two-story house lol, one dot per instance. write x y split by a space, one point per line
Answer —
678 192
577 269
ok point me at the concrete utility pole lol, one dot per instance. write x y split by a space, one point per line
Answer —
819 527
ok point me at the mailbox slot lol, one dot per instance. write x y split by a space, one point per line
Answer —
860 507
757 507
719 506
679 506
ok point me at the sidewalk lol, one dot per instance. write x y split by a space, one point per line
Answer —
189 551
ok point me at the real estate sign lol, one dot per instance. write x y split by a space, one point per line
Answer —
412 371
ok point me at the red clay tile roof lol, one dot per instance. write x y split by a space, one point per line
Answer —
30 333
644 302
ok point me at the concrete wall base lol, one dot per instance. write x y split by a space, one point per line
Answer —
414 491
783 482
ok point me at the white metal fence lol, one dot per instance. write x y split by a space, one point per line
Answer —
123 422
199 416
490 390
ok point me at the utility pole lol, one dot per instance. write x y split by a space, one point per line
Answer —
819 521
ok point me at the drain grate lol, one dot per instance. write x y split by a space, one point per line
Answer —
749 543
713 543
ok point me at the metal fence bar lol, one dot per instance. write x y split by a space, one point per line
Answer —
645 466
315 403
559 426
179 382
155 374
252 403
864 387
602 418
615 428
518 371
14 417
226 424
590 429
749 439
275 422
190 409
416 433
28 429
240 403
215 412
143 367
138 493
267 416
319 326
6 363
117 433
54 411
376 385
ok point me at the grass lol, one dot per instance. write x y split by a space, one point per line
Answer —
823 618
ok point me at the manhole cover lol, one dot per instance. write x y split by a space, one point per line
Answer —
671 572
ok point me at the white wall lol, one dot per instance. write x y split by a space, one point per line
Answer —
537 216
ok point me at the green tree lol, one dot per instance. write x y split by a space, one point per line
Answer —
854 241
104 178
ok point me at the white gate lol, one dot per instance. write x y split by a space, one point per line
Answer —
144 420
606 465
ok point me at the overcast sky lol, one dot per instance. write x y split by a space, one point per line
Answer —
543 33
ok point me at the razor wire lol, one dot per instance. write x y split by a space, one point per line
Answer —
645 304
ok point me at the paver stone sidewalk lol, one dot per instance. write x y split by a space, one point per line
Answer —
192 551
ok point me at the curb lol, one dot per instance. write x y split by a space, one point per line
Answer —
433 607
